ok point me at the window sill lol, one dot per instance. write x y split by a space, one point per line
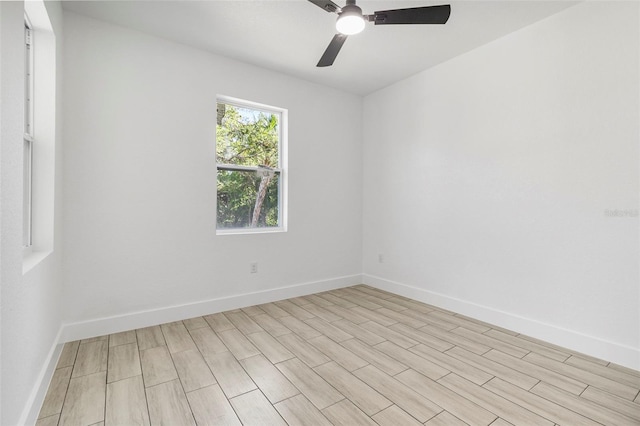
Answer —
249 231
30 258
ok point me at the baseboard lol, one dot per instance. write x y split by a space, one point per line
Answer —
36 398
114 324
620 354
118 323
579 342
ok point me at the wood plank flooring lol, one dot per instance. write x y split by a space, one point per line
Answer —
354 356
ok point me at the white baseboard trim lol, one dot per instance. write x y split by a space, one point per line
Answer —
36 398
579 342
114 324
118 323
620 354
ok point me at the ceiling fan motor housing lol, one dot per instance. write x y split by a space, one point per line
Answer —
351 9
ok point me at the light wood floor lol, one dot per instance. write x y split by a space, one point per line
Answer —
354 356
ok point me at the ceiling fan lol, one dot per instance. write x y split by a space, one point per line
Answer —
351 21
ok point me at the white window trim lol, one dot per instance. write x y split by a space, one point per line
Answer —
281 170
27 205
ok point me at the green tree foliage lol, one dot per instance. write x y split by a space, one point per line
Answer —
246 137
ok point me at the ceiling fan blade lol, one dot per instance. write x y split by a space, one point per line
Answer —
334 47
327 5
416 15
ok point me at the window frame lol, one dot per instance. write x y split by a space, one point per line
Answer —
280 171
28 140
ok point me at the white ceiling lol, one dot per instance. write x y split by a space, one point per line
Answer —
289 36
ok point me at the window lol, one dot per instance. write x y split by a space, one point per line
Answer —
39 142
28 136
250 160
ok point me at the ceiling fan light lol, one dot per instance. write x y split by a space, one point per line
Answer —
350 20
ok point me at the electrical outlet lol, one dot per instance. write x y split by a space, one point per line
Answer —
380 258
253 267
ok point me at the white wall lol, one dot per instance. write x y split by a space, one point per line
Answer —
140 177
30 302
486 181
